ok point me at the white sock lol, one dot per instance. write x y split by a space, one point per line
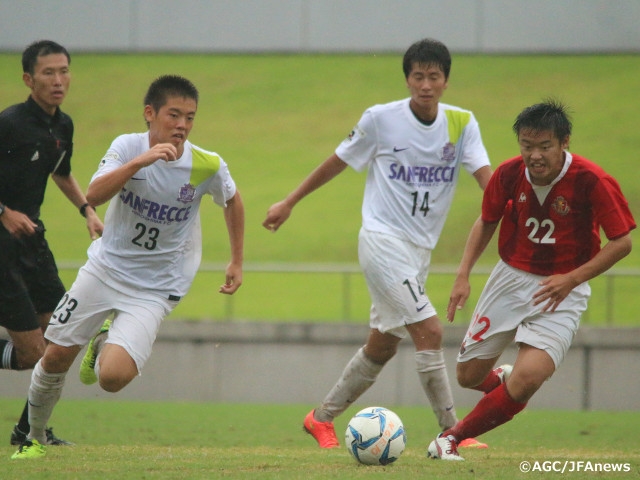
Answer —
98 343
96 367
44 392
359 374
435 383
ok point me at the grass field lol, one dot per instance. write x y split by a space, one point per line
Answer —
275 117
135 440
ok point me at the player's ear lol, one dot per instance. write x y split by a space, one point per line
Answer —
27 79
148 113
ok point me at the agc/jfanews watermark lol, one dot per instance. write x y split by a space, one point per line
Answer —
573 466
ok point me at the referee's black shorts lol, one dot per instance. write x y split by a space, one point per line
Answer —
29 280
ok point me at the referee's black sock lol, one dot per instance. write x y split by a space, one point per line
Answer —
8 360
23 423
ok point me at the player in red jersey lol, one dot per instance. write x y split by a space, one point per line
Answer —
552 205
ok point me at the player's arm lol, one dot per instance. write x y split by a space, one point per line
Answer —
279 212
234 218
70 187
479 237
482 176
554 289
105 187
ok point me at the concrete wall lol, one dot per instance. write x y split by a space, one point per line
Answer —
299 363
481 26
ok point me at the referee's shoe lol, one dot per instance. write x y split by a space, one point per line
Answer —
18 437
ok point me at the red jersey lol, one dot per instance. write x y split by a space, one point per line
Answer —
554 229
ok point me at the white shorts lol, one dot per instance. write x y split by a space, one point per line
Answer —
89 302
505 313
396 273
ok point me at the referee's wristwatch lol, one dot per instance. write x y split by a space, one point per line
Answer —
83 209
1 209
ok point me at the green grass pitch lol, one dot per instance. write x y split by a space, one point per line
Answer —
157 440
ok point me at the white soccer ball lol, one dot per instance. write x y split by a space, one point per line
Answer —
375 436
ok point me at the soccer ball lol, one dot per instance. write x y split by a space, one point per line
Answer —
375 436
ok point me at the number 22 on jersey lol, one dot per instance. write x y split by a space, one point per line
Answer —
541 232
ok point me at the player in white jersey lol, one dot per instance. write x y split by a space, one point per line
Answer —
413 150
147 257
412 167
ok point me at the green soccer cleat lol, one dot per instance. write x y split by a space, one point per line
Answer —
87 372
30 449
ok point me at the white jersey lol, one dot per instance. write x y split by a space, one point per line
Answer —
152 238
412 168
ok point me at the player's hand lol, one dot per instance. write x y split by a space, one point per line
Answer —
554 289
17 223
277 215
94 224
160 151
233 279
459 295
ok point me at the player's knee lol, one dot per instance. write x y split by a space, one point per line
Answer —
427 334
116 369
113 380
467 377
113 383
381 354
111 386
465 380
522 387
435 334
429 330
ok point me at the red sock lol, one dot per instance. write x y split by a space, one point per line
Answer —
494 409
489 383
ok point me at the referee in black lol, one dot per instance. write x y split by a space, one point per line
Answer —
36 140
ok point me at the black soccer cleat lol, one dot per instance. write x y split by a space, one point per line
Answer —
18 437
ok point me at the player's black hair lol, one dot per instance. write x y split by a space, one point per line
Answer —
40 48
169 86
549 115
427 51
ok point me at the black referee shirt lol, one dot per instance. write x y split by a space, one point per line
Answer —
33 145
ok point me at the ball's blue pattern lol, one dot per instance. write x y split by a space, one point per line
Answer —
359 445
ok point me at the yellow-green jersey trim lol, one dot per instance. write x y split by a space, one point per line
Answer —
203 166
456 121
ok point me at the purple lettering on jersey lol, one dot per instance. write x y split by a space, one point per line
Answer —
162 214
421 176
171 215
183 214
155 212
126 197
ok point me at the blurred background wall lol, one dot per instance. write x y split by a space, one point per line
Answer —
254 26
